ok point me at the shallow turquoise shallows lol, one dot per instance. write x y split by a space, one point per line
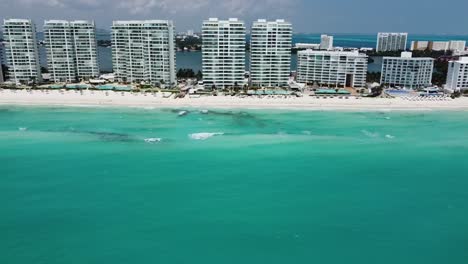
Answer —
83 185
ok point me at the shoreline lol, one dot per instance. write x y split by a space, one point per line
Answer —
142 100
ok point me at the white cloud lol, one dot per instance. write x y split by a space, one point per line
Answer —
78 4
144 7
234 7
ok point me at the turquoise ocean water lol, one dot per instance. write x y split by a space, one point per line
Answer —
81 185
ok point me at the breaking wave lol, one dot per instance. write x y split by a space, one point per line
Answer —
204 135
153 140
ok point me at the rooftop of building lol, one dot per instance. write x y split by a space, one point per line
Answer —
56 21
271 21
408 56
392 33
331 52
230 20
126 22
17 20
461 60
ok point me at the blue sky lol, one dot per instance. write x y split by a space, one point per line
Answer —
310 16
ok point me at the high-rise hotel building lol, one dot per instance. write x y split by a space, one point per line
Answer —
1 62
223 53
407 71
86 55
457 76
21 50
391 41
71 50
144 51
332 68
270 53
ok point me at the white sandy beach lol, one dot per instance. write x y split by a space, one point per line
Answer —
111 98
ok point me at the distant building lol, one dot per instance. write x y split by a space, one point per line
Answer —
22 56
439 45
457 76
419 45
144 51
71 50
270 53
223 53
407 71
453 45
326 42
457 45
391 41
332 68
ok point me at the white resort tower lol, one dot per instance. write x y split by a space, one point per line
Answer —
223 53
407 71
71 50
457 76
1 62
332 68
21 50
326 42
270 53
144 51
391 41
86 55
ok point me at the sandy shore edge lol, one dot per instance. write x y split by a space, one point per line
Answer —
116 99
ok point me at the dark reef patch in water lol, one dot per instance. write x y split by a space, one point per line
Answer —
103 136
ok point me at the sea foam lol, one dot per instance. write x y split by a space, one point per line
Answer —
204 135
370 134
153 140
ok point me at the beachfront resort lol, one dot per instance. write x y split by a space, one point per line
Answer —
144 62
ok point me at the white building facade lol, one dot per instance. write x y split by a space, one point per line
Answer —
85 43
326 42
270 53
406 71
332 68
391 41
2 79
144 51
223 53
457 76
21 51
71 50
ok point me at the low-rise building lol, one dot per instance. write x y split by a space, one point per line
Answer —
456 46
457 76
439 45
407 71
332 68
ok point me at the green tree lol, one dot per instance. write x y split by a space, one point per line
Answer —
199 75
